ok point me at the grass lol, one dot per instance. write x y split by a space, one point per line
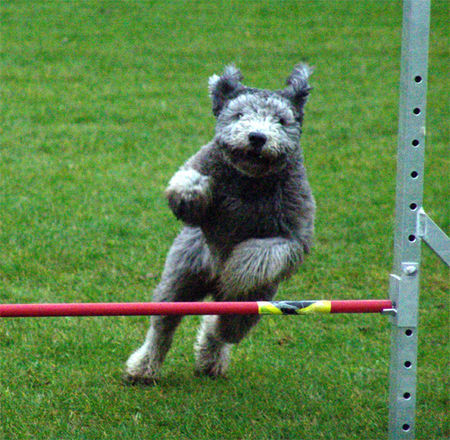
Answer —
101 102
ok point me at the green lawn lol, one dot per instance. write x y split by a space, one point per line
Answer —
101 101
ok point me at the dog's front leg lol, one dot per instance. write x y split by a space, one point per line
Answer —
189 195
259 262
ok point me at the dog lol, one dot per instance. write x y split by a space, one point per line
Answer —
248 214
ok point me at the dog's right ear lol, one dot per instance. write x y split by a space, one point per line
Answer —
225 87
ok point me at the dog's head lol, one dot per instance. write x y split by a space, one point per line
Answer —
258 130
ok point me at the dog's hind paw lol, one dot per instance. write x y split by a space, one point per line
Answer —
213 371
129 379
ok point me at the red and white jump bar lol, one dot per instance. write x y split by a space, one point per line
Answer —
196 308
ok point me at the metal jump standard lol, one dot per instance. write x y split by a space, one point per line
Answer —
412 226
412 223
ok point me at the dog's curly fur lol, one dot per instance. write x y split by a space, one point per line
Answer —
248 213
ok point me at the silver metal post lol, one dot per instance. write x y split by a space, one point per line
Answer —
404 282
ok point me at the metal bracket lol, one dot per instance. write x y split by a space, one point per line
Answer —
389 312
403 294
433 236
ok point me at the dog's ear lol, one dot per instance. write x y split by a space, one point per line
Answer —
298 88
225 87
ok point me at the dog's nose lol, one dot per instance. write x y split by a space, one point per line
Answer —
257 140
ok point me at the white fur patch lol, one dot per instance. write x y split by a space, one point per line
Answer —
135 364
212 82
187 182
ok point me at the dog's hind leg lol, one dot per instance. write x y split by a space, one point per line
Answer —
186 277
215 339
217 334
212 353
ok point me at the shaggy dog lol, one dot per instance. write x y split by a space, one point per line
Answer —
248 213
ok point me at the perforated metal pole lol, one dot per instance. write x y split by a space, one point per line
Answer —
404 282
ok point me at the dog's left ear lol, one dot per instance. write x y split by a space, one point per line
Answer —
297 90
225 87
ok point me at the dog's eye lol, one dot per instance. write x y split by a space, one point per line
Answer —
238 115
282 121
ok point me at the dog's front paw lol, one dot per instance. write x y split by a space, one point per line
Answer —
142 367
189 195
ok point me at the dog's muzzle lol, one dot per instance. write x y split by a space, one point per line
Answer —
257 140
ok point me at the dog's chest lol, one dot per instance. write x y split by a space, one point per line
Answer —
251 210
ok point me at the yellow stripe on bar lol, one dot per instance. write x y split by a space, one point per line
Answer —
268 308
293 307
316 307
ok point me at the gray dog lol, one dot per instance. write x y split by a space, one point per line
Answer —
248 213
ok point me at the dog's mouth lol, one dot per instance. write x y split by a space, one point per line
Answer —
252 161
251 155
256 163
257 157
